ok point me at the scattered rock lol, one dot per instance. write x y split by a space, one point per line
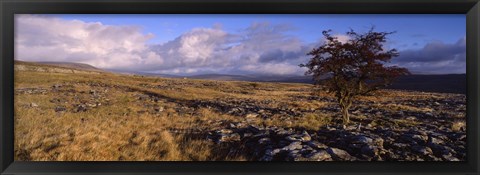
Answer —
60 109
264 140
422 150
450 158
362 140
338 154
225 131
159 109
57 86
293 146
33 105
304 137
31 91
321 155
415 138
80 108
317 145
229 137
251 115
142 97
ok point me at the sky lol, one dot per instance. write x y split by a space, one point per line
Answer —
231 44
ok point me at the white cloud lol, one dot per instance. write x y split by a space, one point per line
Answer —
342 38
199 45
260 48
257 49
43 38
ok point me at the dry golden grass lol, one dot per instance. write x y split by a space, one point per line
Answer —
313 121
117 130
94 136
399 107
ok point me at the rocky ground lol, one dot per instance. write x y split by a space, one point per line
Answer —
402 135
260 121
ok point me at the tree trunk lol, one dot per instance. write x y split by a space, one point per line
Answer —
345 114
345 105
345 101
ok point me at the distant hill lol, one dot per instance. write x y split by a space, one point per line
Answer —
447 83
81 66
258 78
224 77
56 67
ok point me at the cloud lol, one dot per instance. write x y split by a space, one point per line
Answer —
435 51
441 67
342 38
435 57
255 49
274 68
44 38
266 43
261 48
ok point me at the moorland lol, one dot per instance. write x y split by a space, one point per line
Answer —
65 112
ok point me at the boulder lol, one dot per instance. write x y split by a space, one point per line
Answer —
422 150
253 129
293 146
370 150
361 140
415 138
251 116
60 109
80 108
321 155
304 137
338 154
229 137
56 86
224 131
317 145
33 105
450 158
264 141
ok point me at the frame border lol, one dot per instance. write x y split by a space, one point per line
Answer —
10 7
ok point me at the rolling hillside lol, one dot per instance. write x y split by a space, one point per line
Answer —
448 83
66 114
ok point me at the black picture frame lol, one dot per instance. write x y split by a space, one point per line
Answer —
471 8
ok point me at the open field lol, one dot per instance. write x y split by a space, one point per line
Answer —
64 115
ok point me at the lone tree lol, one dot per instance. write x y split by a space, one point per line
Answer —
354 67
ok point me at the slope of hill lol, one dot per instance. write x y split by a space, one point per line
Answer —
60 116
81 66
56 67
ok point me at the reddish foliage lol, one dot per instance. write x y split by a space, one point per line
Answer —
355 67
